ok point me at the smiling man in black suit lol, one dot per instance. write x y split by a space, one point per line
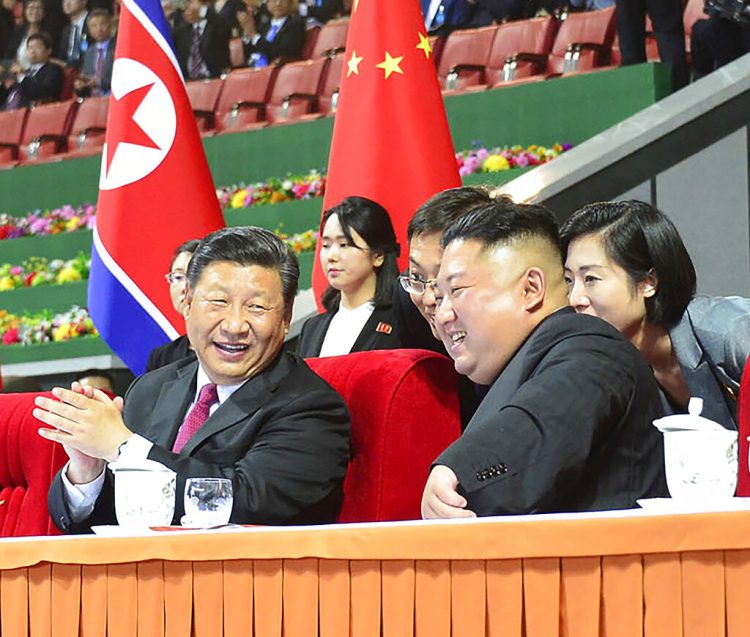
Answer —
278 431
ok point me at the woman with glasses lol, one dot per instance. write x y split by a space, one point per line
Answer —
177 279
358 254
626 263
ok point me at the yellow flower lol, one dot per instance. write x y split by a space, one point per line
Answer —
276 197
62 333
6 283
66 275
238 199
72 223
495 163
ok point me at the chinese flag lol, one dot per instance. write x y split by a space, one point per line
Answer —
391 141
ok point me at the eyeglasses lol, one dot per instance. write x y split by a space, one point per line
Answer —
175 277
416 286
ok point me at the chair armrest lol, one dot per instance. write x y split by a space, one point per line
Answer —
206 115
511 63
33 147
312 102
452 77
246 105
332 52
573 52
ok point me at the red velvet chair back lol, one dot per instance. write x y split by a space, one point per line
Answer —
743 425
28 463
404 410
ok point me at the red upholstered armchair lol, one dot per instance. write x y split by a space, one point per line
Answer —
743 425
28 463
404 409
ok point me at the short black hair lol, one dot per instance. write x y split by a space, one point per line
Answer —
641 240
371 222
503 221
98 13
441 210
189 246
43 36
247 245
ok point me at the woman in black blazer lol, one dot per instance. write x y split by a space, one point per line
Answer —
358 254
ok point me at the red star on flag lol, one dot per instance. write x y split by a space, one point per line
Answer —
122 128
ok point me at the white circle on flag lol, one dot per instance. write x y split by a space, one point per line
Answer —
156 117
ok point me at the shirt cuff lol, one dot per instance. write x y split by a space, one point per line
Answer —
255 38
135 450
303 9
81 498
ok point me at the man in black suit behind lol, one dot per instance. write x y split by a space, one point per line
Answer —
282 37
42 81
202 42
278 431
566 423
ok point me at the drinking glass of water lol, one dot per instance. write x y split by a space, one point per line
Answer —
208 502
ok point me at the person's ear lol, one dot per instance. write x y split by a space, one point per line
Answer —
187 303
650 284
377 259
534 286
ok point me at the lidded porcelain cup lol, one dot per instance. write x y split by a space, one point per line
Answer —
700 455
144 493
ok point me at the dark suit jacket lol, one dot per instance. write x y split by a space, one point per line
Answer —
327 10
565 427
88 68
288 43
45 84
282 438
171 352
214 44
314 332
76 58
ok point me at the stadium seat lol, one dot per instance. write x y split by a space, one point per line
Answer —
520 49
328 95
28 463
11 130
242 102
46 130
87 132
295 91
237 53
465 57
404 412
204 97
437 44
69 76
331 39
583 42
310 39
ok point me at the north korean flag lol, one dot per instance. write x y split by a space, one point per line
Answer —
155 189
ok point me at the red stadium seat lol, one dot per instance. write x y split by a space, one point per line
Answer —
89 124
295 91
204 97
583 42
331 39
11 130
237 53
69 77
46 130
310 40
464 58
242 102
520 49
328 95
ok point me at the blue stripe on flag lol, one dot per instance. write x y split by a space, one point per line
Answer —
125 326
155 14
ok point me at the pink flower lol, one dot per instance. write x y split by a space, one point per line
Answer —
11 336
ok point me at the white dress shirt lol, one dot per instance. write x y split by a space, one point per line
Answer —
344 328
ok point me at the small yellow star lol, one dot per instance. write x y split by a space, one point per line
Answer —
390 65
353 64
424 44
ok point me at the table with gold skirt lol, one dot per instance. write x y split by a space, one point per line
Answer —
616 574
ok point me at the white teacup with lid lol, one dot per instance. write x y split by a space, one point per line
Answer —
144 493
700 455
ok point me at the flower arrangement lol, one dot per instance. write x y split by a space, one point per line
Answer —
483 160
65 219
301 242
36 271
45 326
274 190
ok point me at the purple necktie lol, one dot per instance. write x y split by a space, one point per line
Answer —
197 416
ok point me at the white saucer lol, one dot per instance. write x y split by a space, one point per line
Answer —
670 505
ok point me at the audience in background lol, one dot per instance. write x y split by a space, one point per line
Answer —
202 42
179 348
717 41
96 71
358 255
566 422
41 81
318 12
7 23
626 263
443 16
33 16
75 36
97 379
282 37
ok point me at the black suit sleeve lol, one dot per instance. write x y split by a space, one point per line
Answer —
540 441
288 43
46 84
326 11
